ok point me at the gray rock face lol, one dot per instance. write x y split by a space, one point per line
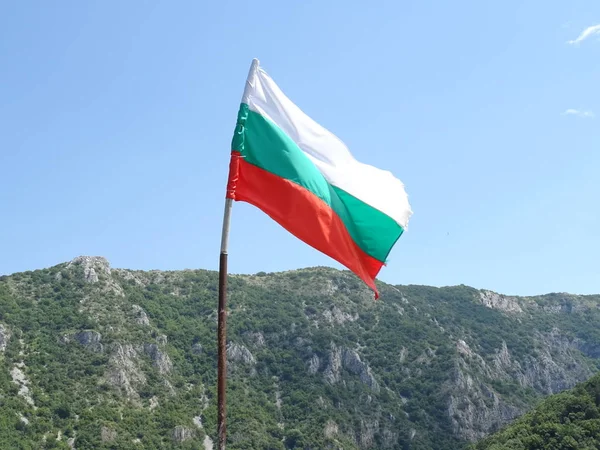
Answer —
366 436
337 316
90 275
123 372
207 443
475 409
108 434
129 276
141 318
153 403
331 429
239 353
96 269
197 421
332 371
161 339
182 434
92 265
501 302
350 360
4 337
551 374
160 360
463 348
557 366
314 365
90 340
502 359
563 303
20 379
403 354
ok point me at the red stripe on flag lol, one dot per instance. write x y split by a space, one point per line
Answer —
234 169
301 213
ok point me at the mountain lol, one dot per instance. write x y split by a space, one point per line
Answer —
566 421
95 357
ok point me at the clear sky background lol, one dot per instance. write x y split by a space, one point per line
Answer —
116 120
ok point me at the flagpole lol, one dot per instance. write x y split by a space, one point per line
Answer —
222 327
222 311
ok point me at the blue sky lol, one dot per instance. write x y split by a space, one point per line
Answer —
116 120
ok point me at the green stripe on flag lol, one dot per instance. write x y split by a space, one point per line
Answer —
265 145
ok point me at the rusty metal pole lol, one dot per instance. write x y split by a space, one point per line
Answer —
222 329
222 312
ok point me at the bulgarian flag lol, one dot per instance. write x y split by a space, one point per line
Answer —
306 179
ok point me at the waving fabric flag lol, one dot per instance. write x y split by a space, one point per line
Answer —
306 179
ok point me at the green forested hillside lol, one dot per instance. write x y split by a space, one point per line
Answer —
565 421
94 357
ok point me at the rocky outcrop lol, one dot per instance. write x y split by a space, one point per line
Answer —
240 354
96 270
153 403
331 429
332 371
501 302
366 436
314 365
198 421
557 365
20 379
371 433
182 434
141 318
476 409
552 372
350 360
124 372
561 303
403 354
4 337
240 358
463 348
128 275
336 316
108 434
89 339
207 443
502 359
92 266
160 359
